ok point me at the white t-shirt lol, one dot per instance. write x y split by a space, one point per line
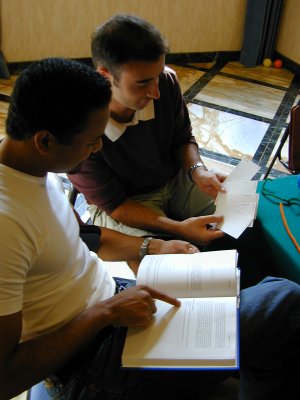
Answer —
45 268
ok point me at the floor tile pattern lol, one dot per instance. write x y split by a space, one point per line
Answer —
236 112
241 95
275 76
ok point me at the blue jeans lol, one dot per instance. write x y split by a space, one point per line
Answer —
269 332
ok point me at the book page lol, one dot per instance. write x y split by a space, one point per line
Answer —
207 274
200 333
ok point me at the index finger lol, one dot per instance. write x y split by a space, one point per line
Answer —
211 219
157 294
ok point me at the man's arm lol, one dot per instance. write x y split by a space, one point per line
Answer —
24 364
194 230
207 181
116 246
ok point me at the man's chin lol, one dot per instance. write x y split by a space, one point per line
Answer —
75 169
143 104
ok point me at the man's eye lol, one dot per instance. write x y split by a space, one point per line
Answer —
143 84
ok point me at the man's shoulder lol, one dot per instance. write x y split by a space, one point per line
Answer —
169 81
169 74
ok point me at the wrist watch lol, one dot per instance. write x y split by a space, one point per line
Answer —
199 164
144 247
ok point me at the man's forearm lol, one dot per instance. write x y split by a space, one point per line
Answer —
32 361
116 246
137 215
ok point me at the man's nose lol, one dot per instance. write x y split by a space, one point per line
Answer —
154 92
97 146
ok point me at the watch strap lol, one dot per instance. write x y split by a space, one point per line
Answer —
144 247
198 164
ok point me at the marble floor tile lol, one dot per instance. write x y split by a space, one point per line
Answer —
186 76
274 76
226 133
6 85
207 65
219 166
243 96
3 114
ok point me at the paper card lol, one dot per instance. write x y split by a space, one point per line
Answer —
236 209
244 171
240 187
235 222
234 199
238 205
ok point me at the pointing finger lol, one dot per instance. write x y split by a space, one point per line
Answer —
157 294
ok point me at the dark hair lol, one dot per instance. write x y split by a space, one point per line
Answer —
126 38
57 95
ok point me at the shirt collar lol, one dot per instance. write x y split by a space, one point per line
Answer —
114 130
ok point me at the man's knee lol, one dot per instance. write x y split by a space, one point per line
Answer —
271 302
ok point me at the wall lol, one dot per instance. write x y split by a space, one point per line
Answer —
288 40
34 29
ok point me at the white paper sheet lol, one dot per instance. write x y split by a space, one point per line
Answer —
238 205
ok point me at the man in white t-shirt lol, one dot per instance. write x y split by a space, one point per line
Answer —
62 316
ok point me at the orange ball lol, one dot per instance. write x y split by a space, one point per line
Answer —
277 63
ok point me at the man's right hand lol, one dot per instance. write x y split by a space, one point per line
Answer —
197 230
134 307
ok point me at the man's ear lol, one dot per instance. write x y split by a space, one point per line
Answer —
43 141
104 72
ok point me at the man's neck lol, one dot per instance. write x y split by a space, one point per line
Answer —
14 155
120 113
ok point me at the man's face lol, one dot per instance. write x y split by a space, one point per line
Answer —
67 157
137 83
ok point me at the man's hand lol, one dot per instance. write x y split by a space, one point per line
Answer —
209 182
158 246
135 306
198 230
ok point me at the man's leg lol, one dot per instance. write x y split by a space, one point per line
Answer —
104 378
155 200
100 218
186 200
269 339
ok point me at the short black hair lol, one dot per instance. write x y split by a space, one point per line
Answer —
125 38
58 95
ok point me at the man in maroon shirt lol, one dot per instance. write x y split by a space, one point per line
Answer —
148 178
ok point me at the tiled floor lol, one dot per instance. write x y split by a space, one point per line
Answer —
236 113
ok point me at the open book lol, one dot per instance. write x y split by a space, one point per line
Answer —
203 331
